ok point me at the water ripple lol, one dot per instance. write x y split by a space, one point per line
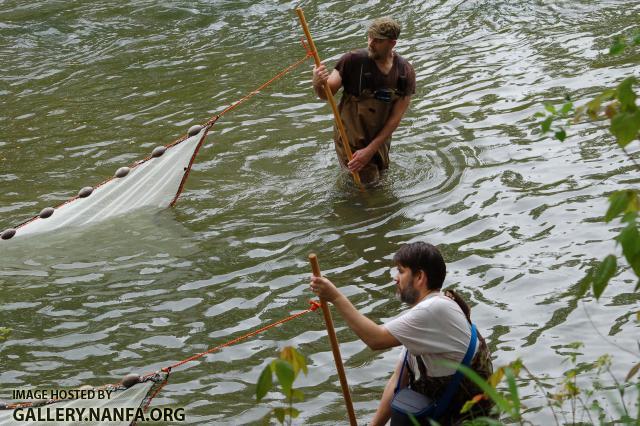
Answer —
86 87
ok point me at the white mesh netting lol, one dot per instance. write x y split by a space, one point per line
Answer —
151 183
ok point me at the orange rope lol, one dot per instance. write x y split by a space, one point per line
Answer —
233 106
314 305
146 406
256 91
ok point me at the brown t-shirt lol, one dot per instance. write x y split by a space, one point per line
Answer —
360 73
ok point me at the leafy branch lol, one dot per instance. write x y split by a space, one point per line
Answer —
286 369
619 107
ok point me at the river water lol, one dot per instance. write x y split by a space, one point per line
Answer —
86 87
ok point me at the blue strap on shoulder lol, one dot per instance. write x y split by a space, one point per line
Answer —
445 399
405 362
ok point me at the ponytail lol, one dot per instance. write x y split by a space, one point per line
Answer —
460 301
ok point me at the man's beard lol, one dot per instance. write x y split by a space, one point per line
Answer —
408 295
374 55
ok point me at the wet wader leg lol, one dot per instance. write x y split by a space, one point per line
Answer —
364 117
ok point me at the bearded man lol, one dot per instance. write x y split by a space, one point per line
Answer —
378 85
436 328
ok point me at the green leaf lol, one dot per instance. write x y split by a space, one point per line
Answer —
618 46
625 127
265 382
293 412
546 124
4 333
593 107
297 395
625 94
584 284
302 362
295 358
496 377
513 390
549 107
561 135
279 413
630 216
629 239
539 114
634 203
577 115
603 273
468 405
618 203
566 108
636 39
286 376
287 354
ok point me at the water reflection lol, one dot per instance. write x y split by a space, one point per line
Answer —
518 217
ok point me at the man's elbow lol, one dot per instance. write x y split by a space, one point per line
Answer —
382 340
377 345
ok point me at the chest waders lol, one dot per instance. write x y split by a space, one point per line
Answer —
364 116
434 387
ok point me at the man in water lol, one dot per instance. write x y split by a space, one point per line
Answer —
378 84
437 328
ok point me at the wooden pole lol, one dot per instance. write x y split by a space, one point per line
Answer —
329 95
315 267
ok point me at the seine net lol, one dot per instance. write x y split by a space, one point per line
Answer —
152 182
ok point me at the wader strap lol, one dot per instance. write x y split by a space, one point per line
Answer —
443 402
404 362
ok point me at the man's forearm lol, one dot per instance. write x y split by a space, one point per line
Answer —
320 92
333 82
372 334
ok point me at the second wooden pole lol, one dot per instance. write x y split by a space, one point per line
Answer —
329 95
315 267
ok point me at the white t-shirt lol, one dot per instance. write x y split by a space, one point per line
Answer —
435 329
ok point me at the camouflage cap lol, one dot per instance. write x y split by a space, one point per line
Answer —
384 28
